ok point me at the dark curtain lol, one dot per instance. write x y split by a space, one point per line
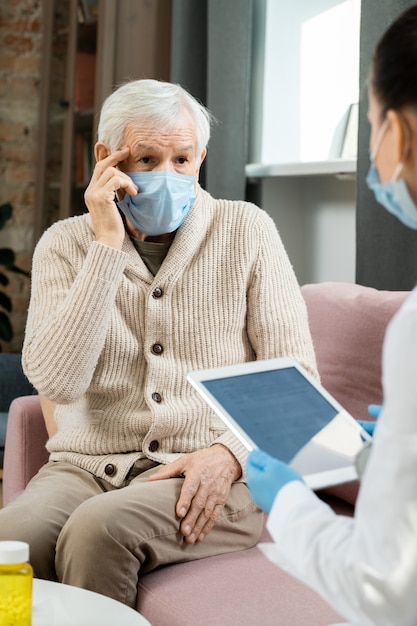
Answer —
211 57
386 250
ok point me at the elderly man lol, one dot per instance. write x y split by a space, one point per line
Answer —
156 280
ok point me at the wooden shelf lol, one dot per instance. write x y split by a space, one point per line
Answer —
79 70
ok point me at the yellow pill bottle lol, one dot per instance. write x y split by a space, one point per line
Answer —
16 576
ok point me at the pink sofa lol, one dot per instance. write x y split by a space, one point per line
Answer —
348 324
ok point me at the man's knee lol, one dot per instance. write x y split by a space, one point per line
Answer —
85 523
20 524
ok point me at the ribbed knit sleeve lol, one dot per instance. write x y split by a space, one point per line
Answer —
69 314
277 321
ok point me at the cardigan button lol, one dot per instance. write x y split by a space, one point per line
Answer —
157 348
110 469
154 445
156 397
157 292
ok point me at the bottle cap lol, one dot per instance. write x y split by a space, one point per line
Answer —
14 552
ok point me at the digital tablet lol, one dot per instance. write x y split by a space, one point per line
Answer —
277 406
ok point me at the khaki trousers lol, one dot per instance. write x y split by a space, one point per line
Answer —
84 532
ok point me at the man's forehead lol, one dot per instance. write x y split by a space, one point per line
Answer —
152 147
141 137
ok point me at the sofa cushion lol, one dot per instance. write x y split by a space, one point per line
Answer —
13 383
241 588
350 320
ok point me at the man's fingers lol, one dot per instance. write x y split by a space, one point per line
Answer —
115 157
176 468
106 170
113 179
211 522
188 504
204 512
206 487
205 521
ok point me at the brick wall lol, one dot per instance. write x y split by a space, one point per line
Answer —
20 50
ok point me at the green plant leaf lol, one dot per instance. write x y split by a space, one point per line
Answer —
7 260
17 270
5 302
6 330
6 257
3 279
5 213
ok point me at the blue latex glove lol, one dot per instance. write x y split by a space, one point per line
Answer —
374 410
266 476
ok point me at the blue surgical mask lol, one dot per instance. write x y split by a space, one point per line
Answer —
393 194
162 203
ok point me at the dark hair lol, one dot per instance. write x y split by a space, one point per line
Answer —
393 77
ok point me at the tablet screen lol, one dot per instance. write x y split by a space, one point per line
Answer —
279 409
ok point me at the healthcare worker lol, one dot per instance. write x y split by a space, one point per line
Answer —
366 566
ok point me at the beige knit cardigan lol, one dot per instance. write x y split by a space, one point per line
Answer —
227 294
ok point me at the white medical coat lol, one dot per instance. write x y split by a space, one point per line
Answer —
365 567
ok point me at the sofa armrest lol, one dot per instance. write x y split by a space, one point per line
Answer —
25 451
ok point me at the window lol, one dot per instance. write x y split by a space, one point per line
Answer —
305 78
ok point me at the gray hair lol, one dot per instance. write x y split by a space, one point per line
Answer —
154 102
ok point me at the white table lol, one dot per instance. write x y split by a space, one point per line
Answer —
55 604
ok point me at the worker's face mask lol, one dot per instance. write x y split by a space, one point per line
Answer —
393 195
162 203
